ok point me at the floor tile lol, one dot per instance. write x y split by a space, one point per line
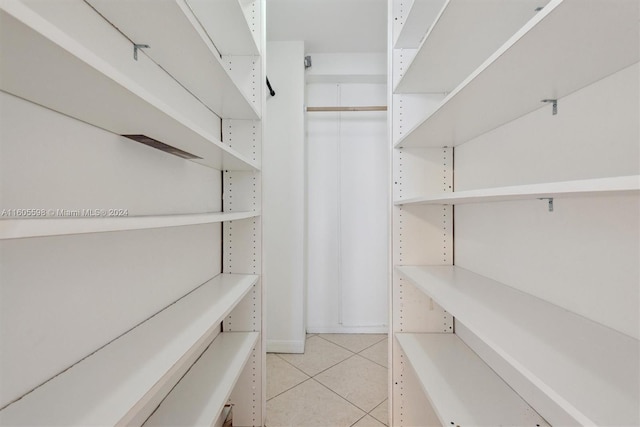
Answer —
281 376
354 342
319 355
368 421
360 381
311 405
378 353
381 413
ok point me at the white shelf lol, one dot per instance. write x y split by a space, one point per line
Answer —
462 389
226 23
224 416
42 227
464 34
62 74
122 383
578 188
199 397
419 20
186 52
588 371
555 54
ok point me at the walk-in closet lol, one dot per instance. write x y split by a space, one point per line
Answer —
319 213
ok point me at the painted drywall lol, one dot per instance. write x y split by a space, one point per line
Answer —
63 297
586 139
583 256
61 163
347 67
283 216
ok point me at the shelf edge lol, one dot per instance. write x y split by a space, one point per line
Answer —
574 188
28 228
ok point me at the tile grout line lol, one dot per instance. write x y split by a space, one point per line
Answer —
341 397
359 353
376 343
291 388
294 366
335 364
369 414
374 417
331 342
313 377
324 370
355 352
372 361
327 387
358 420
345 399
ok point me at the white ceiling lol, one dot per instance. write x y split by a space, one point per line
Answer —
329 26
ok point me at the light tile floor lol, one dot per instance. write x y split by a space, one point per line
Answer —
340 381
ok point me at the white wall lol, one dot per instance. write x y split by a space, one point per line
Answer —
584 255
63 297
347 208
347 68
283 176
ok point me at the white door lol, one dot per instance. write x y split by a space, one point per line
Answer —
347 220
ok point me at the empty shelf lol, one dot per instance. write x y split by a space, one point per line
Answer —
464 35
555 54
123 382
419 20
462 389
226 23
588 372
585 187
186 52
45 65
41 227
199 397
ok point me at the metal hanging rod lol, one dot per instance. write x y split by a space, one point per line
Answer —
271 91
372 108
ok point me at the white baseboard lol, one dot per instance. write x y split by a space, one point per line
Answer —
347 329
285 346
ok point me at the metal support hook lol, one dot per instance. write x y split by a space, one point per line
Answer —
554 105
138 46
550 202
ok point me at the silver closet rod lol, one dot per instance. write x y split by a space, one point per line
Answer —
373 108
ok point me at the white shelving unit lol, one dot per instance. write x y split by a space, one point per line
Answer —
214 376
492 298
578 188
187 52
448 53
515 325
116 91
493 94
41 227
461 387
230 23
124 331
123 382
414 22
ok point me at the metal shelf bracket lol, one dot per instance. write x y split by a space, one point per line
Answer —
550 202
554 105
138 46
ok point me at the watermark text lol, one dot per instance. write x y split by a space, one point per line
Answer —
63 213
